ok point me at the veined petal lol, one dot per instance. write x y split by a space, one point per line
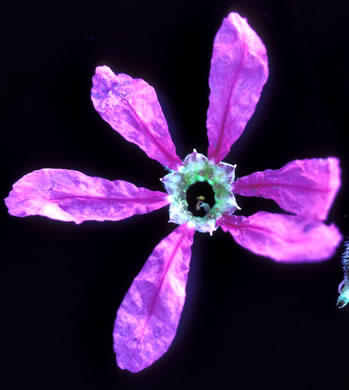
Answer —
68 195
303 187
239 69
131 107
284 238
148 317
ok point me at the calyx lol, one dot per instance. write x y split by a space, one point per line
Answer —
197 168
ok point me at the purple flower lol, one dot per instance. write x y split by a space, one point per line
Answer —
148 317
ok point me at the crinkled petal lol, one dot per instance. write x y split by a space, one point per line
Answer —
284 238
303 187
131 107
148 317
68 195
239 69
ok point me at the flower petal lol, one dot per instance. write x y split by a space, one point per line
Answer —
303 187
148 317
68 195
131 108
239 69
285 238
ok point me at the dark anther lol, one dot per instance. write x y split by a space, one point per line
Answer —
200 198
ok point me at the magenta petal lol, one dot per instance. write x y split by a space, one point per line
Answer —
303 187
285 238
239 69
147 319
131 108
72 196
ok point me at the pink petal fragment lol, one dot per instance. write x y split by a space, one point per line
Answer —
285 238
303 187
131 107
148 317
68 195
239 69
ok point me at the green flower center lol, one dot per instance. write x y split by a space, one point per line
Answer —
196 170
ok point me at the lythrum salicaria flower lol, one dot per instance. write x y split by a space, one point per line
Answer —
148 317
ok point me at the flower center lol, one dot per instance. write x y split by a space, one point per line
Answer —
200 199
200 192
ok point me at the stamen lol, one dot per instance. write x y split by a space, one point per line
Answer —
201 205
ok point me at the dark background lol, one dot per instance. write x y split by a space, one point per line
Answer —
248 322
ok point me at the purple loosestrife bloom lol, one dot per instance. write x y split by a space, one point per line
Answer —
148 317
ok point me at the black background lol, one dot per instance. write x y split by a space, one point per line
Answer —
248 322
